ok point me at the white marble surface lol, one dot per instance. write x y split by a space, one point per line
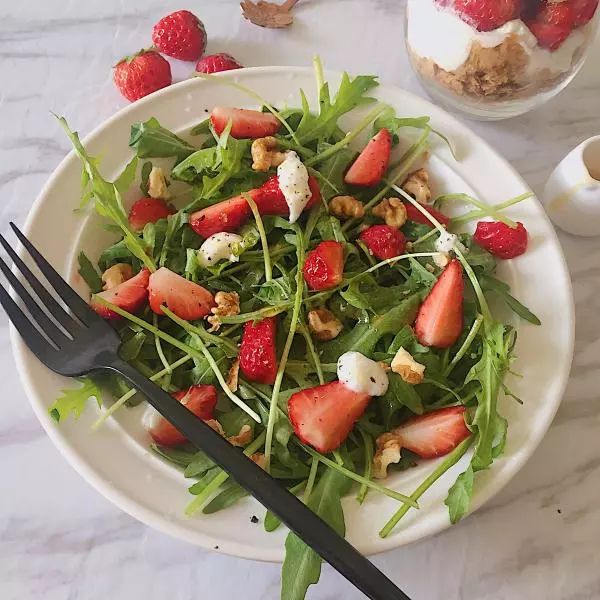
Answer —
59 539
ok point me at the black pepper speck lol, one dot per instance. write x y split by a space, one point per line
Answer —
254 519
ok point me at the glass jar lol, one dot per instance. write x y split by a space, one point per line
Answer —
505 64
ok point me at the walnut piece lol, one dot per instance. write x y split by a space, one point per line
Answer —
388 452
243 438
392 211
157 184
265 154
227 305
323 324
407 367
260 459
346 207
233 376
116 275
417 186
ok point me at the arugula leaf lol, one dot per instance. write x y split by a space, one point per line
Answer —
125 180
275 291
176 456
350 95
364 337
108 201
459 496
302 565
150 140
420 278
399 395
228 496
329 228
145 177
406 339
198 465
73 401
88 273
489 372
503 290
332 171
195 164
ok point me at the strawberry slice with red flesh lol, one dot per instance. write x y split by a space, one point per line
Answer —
129 295
501 240
324 266
434 434
148 210
258 356
414 214
323 416
244 123
228 215
439 321
372 163
270 199
200 399
384 241
188 300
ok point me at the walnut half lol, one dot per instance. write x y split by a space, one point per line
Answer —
408 368
116 275
346 207
417 185
227 304
392 211
157 184
323 324
388 452
265 154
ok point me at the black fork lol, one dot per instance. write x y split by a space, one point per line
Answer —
80 342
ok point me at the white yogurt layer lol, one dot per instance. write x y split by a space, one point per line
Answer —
440 35
293 182
361 374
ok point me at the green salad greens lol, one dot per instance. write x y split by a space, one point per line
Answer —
375 303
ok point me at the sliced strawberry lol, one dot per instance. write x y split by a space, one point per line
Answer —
552 23
372 163
324 266
501 240
148 210
129 295
384 241
323 416
439 322
228 215
200 399
186 299
258 356
584 11
270 199
487 15
434 434
245 123
414 214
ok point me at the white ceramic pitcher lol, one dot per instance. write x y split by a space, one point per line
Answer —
572 194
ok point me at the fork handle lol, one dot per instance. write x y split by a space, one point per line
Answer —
309 527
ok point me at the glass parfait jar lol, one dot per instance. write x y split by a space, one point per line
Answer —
495 59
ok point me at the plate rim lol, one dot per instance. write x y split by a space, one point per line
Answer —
176 529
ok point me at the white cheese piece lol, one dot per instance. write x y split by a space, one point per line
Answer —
219 246
293 182
361 374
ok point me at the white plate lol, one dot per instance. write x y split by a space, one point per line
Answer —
115 460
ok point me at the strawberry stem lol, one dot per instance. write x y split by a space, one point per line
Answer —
452 459
131 393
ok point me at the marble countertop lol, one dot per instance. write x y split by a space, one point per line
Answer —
59 539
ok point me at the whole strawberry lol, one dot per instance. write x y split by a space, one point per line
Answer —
141 74
487 15
501 240
180 35
215 63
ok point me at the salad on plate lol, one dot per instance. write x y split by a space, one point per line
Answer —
308 297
